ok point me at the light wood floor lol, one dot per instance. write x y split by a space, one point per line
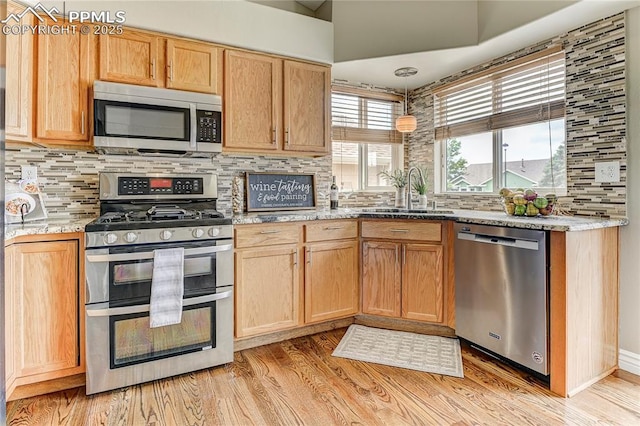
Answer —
299 382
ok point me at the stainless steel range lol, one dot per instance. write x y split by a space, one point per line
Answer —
141 214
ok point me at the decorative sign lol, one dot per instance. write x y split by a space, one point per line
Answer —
280 191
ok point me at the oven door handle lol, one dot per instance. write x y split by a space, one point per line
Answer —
94 258
100 310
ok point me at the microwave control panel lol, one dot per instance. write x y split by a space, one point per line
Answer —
159 186
208 126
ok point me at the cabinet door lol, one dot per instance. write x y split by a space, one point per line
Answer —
132 57
9 314
331 280
194 66
252 102
307 94
422 282
267 290
381 278
46 307
63 75
19 83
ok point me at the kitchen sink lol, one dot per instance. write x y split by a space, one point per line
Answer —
414 211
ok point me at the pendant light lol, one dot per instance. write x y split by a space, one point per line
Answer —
406 123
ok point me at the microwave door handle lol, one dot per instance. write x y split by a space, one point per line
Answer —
95 258
194 124
103 309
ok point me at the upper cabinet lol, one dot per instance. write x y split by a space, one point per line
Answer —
252 102
275 105
194 66
307 101
64 77
19 89
48 79
137 57
271 104
132 57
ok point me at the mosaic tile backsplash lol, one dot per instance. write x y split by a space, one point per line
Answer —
69 179
595 117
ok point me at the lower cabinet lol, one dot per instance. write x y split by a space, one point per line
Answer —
291 274
44 309
422 282
267 290
403 279
331 280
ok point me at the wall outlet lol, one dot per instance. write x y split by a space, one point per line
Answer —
29 172
608 171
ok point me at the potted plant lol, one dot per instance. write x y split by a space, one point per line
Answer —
397 178
420 186
421 189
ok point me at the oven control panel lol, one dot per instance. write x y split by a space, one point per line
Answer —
160 186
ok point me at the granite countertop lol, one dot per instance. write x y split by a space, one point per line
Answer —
548 223
46 226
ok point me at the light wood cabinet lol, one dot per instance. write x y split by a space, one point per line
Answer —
404 278
194 66
48 78
9 314
150 59
252 101
268 275
267 290
132 57
64 77
381 278
19 80
283 282
307 100
44 317
331 276
422 282
275 105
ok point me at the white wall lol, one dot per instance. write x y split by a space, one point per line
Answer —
630 235
371 29
231 22
496 17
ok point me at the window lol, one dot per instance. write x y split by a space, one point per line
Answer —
504 128
365 141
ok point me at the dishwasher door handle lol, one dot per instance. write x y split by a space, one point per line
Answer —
501 241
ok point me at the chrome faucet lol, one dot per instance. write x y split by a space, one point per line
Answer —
411 170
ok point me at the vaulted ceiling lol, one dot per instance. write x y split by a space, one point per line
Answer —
372 38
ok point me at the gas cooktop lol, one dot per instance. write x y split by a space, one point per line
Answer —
114 221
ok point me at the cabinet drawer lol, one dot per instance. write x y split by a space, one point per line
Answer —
325 230
266 235
429 231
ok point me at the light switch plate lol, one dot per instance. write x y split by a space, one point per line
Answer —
608 171
29 172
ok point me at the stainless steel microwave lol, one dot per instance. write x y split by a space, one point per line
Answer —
148 120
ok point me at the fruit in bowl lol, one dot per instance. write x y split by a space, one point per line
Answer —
526 202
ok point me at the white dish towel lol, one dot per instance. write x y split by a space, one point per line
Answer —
167 287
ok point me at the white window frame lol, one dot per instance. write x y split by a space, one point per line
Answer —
440 150
397 149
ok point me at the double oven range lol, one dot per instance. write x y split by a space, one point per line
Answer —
139 214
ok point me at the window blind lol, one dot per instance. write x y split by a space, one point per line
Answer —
529 92
357 117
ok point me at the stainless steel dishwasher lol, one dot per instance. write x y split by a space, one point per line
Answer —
502 292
